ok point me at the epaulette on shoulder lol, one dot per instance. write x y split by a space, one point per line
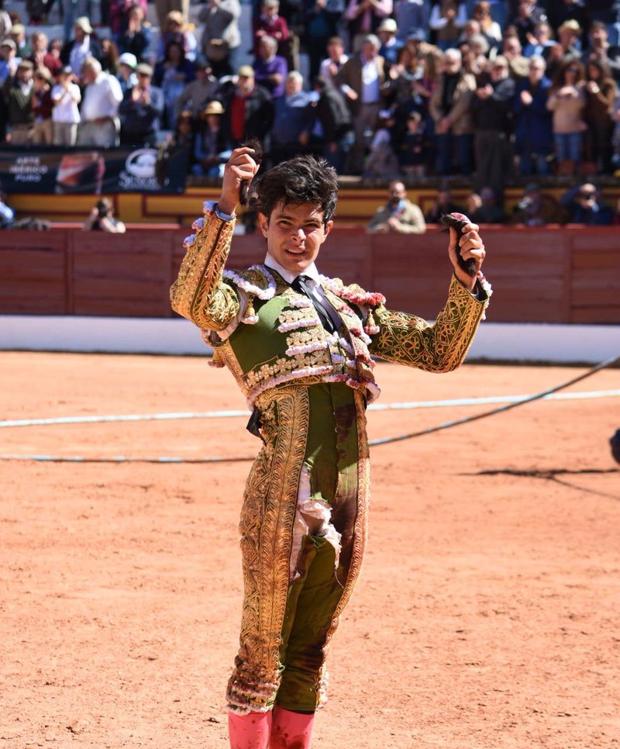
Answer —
256 282
353 293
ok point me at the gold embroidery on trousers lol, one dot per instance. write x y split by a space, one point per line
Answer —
266 527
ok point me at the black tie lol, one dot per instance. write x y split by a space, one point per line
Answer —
310 288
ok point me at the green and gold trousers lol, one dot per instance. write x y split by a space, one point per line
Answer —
303 531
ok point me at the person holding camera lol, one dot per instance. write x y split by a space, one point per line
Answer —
101 218
66 96
585 206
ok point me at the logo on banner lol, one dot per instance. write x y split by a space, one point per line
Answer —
139 172
28 169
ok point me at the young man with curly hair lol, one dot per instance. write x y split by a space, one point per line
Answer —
300 346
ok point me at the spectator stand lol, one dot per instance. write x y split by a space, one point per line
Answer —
357 204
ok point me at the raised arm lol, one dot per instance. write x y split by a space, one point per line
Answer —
440 346
199 293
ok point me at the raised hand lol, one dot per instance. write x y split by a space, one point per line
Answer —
239 168
470 247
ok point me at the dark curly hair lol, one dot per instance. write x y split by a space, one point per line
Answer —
303 179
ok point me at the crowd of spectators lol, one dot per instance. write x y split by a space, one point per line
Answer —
389 89
580 204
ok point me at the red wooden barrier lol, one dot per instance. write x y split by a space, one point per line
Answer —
561 274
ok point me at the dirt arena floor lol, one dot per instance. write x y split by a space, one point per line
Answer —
486 616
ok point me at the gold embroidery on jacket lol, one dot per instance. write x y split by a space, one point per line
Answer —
438 347
199 294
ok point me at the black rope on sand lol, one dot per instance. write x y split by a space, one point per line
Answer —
372 443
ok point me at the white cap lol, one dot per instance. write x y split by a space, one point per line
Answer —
128 59
388 24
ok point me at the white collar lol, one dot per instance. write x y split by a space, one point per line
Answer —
311 271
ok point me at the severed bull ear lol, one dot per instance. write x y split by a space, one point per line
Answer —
244 190
458 221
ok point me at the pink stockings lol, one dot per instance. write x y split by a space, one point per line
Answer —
291 730
281 729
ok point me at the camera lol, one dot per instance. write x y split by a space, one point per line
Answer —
103 208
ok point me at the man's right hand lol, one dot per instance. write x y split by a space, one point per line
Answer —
239 168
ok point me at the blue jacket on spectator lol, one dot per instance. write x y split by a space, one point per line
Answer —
411 16
598 215
293 116
533 131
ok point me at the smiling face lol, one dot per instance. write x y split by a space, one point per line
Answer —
294 234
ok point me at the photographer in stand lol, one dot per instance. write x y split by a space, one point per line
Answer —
101 218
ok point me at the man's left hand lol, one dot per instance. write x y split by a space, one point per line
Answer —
471 247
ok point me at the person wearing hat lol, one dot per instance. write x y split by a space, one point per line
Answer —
390 45
66 96
165 7
569 38
127 64
175 30
82 46
8 60
248 108
211 145
18 95
140 110
199 92
18 35
363 81
221 37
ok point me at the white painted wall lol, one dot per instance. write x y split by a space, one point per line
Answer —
499 341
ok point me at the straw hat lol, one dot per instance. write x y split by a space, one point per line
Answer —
213 107
83 23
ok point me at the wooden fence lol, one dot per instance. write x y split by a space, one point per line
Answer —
553 275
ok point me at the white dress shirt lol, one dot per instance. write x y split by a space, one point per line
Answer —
371 87
66 102
311 271
101 98
79 53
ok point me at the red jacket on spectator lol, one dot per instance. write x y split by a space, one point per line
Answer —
275 27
